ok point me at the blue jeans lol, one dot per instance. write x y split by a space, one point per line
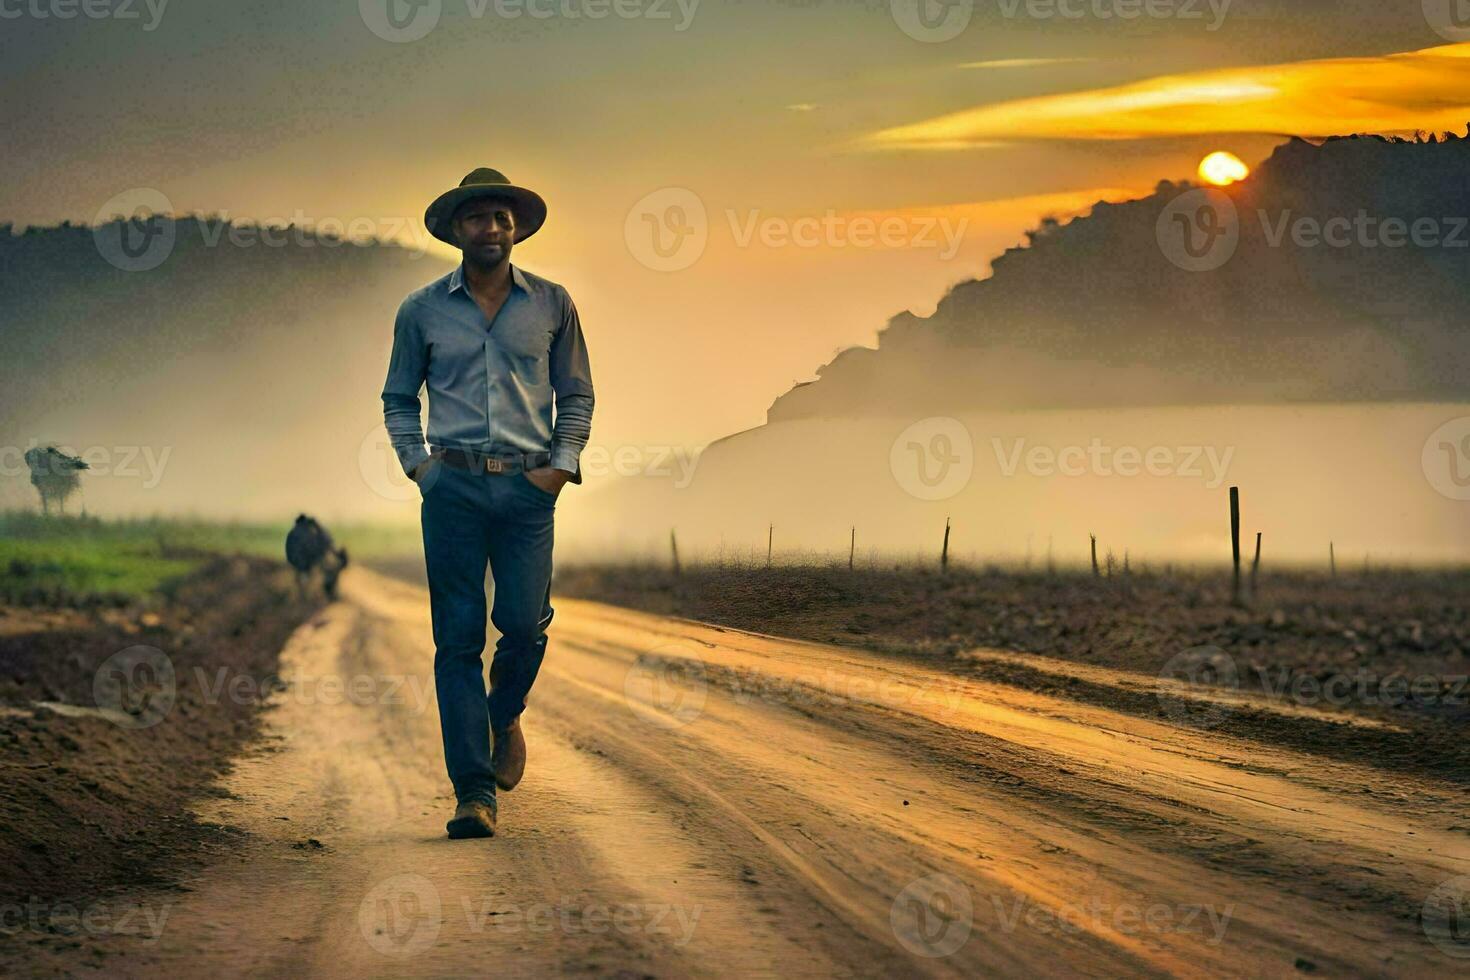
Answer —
470 519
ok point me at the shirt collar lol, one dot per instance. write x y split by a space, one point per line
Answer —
517 278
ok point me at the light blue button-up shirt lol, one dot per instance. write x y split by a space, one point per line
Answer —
491 384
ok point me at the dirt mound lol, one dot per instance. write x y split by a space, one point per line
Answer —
111 722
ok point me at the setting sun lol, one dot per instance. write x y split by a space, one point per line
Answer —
1221 168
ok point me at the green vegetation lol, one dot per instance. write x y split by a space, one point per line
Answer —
66 560
373 542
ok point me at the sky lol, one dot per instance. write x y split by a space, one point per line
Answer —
737 190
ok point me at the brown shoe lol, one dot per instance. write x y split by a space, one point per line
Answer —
472 819
508 757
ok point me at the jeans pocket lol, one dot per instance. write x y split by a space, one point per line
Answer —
434 470
543 494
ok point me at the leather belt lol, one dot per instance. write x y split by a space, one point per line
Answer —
478 462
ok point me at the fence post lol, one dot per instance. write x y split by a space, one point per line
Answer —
1095 570
944 552
674 549
1235 542
1256 565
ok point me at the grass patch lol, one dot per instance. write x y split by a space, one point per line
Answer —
31 569
70 560
86 560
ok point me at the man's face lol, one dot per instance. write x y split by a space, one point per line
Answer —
486 229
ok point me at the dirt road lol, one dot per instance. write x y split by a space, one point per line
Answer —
710 802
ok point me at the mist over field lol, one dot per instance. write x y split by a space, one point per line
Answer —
942 355
1151 482
231 381
1093 384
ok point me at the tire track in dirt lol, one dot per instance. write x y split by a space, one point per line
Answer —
702 802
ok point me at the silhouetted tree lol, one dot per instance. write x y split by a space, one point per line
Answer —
54 475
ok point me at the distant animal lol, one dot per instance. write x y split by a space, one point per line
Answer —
54 475
308 548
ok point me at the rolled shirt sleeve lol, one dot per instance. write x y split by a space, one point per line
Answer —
407 371
571 379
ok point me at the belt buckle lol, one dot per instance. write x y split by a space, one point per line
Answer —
494 465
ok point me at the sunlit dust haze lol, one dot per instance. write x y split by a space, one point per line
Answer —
740 196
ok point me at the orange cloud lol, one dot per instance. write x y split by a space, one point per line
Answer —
1009 210
1397 93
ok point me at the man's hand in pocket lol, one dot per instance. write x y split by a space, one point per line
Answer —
422 470
549 479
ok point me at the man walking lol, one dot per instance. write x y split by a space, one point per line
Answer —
497 348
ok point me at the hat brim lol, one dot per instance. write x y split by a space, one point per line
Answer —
527 206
